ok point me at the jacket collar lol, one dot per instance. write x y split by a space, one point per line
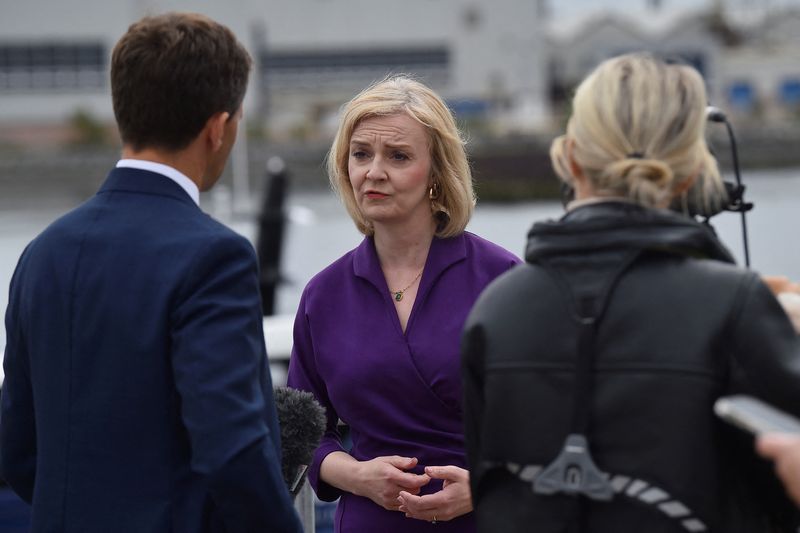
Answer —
144 182
622 225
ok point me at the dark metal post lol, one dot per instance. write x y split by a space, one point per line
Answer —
271 223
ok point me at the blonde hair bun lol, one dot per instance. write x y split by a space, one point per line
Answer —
645 180
632 171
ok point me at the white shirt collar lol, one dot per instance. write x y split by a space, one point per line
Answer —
167 171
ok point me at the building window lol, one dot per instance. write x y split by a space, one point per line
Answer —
693 59
324 68
790 92
465 109
52 66
741 96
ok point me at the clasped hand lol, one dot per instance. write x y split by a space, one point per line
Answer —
452 501
387 482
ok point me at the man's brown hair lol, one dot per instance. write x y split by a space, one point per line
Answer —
170 73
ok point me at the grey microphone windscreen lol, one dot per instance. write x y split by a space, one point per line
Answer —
302 422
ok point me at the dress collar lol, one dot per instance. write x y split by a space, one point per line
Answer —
442 254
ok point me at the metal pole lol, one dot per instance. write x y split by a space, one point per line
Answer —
271 223
304 504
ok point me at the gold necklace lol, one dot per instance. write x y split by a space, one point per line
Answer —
398 295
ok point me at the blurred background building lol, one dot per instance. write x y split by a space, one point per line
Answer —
506 67
748 52
487 59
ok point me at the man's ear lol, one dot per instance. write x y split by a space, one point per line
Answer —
215 129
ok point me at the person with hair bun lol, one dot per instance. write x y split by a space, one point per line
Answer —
591 370
376 338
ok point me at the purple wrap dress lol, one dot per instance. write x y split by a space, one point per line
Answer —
399 393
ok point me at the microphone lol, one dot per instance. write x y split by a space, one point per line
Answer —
734 191
694 208
302 422
736 202
715 114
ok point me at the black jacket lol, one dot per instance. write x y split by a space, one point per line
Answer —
679 326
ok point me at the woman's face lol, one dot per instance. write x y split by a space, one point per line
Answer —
390 168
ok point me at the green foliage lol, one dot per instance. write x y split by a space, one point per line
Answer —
87 129
256 131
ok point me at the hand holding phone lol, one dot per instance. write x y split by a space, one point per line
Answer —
754 415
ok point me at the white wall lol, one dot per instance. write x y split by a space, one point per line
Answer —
503 48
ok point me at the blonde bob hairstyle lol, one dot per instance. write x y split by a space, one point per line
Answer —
637 131
453 204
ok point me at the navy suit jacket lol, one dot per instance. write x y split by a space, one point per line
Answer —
137 395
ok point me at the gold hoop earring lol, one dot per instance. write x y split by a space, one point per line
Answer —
433 192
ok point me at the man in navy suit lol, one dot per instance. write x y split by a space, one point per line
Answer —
137 396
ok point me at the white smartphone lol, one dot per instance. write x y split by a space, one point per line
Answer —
755 416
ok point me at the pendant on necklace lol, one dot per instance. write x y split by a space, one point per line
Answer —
398 295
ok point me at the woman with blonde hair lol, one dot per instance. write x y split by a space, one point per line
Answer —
590 371
377 332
